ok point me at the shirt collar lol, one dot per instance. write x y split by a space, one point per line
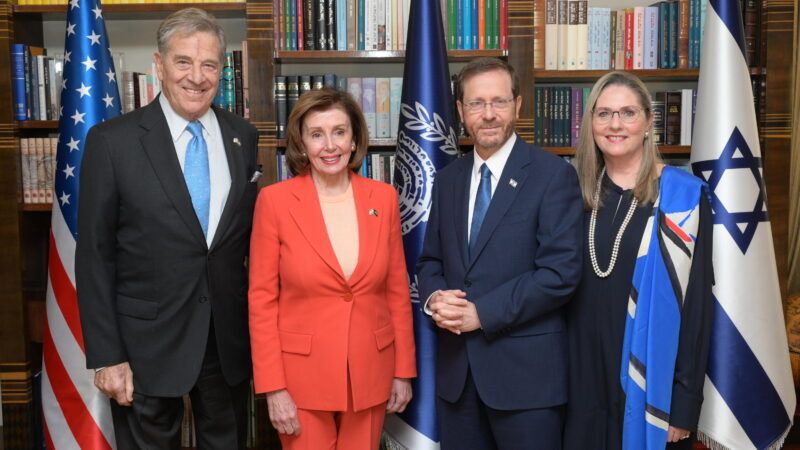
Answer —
177 124
497 161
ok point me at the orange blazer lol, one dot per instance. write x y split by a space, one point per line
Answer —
308 325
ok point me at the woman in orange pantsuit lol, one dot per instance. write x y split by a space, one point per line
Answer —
330 315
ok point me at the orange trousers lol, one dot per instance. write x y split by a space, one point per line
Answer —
337 430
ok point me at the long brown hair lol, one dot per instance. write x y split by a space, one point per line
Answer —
588 158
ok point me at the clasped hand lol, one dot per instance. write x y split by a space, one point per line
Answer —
453 312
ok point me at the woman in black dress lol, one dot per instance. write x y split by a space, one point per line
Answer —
620 171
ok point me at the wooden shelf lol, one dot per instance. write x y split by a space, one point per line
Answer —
36 207
376 56
383 142
38 124
678 150
140 10
593 75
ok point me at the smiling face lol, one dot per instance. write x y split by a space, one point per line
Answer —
189 72
489 127
328 141
615 138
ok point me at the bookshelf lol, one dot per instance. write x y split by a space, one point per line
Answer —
24 228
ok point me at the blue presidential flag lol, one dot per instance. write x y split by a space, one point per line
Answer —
749 398
76 414
426 142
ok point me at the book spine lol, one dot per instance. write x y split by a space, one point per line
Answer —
292 92
474 27
606 39
309 25
619 40
674 21
672 122
577 115
482 15
638 37
341 25
629 38
658 117
383 107
503 21
299 8
683 34
49 167
563 40
750 31
368 105
330 24
551 35
583 34
572 34
539 24
451 24
663 35
352 26
18 81
380 24
41 171
305 83
230 90
40 81
237 83
651 37
361 25
354 89
245 80
25 171
396 88
320 31
281 107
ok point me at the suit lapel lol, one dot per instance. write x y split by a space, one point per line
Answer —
461 202
233 152
157 143
307 215
369 226
504 194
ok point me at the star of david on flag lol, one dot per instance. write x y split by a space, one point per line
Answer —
749 397
426 142
76 414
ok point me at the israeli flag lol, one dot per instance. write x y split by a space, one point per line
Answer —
749 394
426 142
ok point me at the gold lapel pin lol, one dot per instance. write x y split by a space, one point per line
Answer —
373 212
236 141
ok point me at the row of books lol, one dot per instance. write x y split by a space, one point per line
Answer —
125 2
36 83
379 99
340 24
354 25
376 165
666 35
570 35
558 113
37 168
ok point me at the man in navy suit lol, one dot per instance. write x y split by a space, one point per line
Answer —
502 256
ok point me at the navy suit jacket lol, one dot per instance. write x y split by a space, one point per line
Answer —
525 268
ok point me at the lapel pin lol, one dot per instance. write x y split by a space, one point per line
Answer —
236 141
512 182
373 212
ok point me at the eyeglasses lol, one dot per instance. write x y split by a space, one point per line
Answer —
476 106
628 114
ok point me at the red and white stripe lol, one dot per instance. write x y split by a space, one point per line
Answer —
76 414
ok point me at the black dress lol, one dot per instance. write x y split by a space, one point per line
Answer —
596 327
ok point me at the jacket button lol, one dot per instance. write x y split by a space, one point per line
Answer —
203 299
348 297
467 283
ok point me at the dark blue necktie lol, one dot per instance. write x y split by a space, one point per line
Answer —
195 172
482 200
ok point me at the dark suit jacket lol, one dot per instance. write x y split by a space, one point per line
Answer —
526 266
147 282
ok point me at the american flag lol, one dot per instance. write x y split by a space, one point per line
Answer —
76 414
749 397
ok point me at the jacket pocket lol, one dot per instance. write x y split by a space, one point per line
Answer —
298 343
136 307
384 336
550 326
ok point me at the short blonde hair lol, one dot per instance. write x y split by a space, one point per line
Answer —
588 158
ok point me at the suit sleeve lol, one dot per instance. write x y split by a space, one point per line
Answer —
695 332
557 261
430 264
264 292
95 255
398 297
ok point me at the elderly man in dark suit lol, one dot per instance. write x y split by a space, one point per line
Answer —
502 256
163 232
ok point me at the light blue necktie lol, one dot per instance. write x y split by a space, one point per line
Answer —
482 200
195 172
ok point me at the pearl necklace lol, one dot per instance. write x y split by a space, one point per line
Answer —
617 240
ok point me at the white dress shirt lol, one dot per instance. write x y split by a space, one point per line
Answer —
496 164
219 174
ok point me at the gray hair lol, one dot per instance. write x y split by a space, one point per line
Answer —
186 22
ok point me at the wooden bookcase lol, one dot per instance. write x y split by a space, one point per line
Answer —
24 228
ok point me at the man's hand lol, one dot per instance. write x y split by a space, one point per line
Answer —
283 412
116 382
400 396
675 434
453 312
